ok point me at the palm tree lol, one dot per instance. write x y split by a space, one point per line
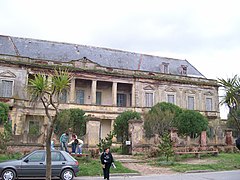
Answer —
47 91
232 96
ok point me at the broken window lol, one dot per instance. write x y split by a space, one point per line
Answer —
98 98
170 98
34 128
121 100
165 67
190 103
80 96
63 96
148 99
7 88
183 70
208 104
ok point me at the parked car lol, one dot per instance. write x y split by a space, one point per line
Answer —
34 165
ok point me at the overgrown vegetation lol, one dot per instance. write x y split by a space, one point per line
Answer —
164 116
191 123
160 118
5 136
121 126
106 142
166 147
71 118
232 97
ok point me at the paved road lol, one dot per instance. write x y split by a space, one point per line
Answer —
223 175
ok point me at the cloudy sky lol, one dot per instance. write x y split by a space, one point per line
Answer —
206 33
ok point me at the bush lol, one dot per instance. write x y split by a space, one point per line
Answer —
160 118
71 118
191 123
121 126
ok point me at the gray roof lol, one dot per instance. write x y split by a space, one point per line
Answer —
65 52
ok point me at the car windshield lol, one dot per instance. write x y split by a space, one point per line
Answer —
22 157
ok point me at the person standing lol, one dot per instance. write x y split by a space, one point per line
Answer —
106 161
63 141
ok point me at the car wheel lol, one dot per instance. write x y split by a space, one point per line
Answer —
67 174
8 174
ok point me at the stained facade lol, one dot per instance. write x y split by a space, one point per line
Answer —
105 83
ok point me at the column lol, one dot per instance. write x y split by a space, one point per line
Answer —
92 132
114 94
133 96
93 92
72 91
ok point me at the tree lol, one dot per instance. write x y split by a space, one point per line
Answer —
160 118
47 91
106 142
232 97
191 123
71 118
166 147
5 136
121 124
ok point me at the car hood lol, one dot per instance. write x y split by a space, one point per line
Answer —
10 163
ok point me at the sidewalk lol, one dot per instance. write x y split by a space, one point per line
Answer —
112 176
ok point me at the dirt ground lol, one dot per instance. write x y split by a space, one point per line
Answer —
146 169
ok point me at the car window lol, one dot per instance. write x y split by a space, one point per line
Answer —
37 157
57 156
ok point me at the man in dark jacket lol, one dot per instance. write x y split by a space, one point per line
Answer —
106 160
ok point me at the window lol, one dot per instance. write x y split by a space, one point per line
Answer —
80 97
165 67
121 100
37 157
208 104
7 88
63 96
190 103
170 99
57 156
183 70
98 98
148 99
34 128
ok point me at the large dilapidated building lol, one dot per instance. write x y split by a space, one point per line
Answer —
106 82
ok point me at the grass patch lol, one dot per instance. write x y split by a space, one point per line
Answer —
93 168
5 157
221 162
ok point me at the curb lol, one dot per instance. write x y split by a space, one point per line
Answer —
199 171
111 175
125 174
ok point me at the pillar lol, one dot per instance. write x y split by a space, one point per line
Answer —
93 92
92 132
136 132
72 91
133 96
229 137
203 140
114 94
174 136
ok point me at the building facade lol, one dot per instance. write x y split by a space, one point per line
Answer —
105 83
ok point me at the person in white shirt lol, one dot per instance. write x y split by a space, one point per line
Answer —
76 144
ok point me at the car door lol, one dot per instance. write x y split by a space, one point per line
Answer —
33 165
58 162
